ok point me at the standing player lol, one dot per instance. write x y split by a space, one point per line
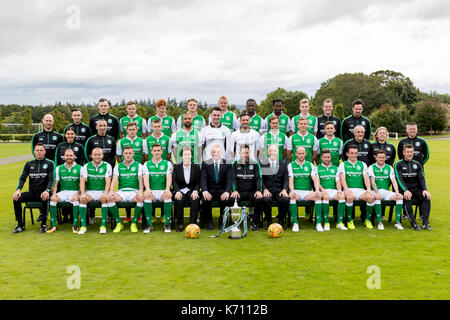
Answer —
304 139
48 137
41 174
284 126
354 177
68 177
257 123
215 134
113 126
103 141
301 173
157 182
157 136
94 185
331 143
227 118
133 117
330 186
381 144
349 123
131 139
273 137
187 137
364 146
327 108
198 122
244 136
304 113
168 123
421 150
381 176
82 131
70 143
128 174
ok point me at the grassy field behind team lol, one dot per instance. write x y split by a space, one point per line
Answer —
304 265
14 149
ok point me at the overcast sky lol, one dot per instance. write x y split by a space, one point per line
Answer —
79 51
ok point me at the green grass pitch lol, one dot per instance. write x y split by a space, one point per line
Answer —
304 265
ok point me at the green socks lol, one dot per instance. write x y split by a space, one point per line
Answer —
167 212
53 210
318 210
398 210
294 212
341 211
148 209
137 212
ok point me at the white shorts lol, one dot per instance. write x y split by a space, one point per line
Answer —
158 195
66 195
357 192
127 196
332 193
95 194
385 194
302 195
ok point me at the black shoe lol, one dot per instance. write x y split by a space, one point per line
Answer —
180 228
415 227
426 227
210 226
40 218
18 229
253 227
43 229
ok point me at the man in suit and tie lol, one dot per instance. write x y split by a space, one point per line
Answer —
275 185
186 185
216 183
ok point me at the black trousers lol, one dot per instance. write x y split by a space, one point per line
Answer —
30 197
250 196
283 206
206 215
179 208
424 206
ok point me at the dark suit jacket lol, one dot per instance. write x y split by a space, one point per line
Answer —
208 181
179 182
275 182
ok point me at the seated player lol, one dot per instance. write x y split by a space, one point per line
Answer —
300 174
331 189
94 185
354 177
381 176
157 182
68 177
129 176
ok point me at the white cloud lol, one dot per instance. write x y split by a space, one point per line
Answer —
201 49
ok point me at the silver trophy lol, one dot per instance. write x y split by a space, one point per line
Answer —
235 213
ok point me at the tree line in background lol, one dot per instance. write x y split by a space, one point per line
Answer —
390 100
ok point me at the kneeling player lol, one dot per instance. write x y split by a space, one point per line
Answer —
129 176
381 176
331 189
94 185
300 174
68 177
354 177
157 182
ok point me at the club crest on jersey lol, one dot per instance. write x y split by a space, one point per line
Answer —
100 170
166 121
227 118
365 145
83 129
363 123
308 140
335 144
415 166
138 144
417 144
306 169
109 120
133 169
75 149
358 167
388 148
74 170
109 141
250 167
54 138
45 166
162 167
310 121
163 141
332 171
386 171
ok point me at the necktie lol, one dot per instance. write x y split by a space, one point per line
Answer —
216 172
273 167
